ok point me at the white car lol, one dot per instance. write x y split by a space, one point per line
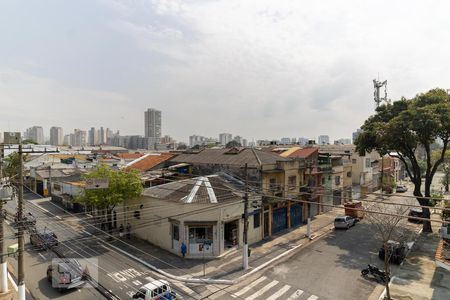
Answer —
157 289
344 222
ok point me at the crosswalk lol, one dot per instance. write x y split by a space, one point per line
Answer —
263 288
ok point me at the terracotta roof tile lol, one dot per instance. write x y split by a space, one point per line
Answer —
304 153
129 155
148 161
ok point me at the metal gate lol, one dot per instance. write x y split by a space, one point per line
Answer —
279 220
296 214
313 208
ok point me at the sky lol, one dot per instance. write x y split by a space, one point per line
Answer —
261 69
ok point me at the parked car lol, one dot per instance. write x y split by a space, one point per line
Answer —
396 252
401 188
157 289
415 212
43 239
344 222
67 274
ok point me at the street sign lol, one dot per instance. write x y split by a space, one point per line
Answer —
96 183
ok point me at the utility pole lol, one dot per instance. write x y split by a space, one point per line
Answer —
20 272
49 181
245 254
3 263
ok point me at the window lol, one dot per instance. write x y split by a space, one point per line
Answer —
272 183
200 235
256 220
137 214
292 182
368 165
337 180
175 232
323 180
349 174
353 160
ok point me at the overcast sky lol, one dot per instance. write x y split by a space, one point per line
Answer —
259 69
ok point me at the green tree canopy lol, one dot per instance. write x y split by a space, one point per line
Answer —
122 185
233 144
11 164
403 127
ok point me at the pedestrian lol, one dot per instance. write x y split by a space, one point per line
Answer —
121 230
183 249
129 231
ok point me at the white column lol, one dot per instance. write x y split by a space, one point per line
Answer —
4 277
21 289
245 256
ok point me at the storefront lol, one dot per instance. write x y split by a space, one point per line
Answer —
201 239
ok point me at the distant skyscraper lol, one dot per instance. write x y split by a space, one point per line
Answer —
79 138
56 136
152 124
36 134
109 135
67 140
92 137
244 143
356 134
224 138
285 141
323 140
302 141
101 136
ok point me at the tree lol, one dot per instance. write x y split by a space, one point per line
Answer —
11 164
403 127
28 141
122 185
233 144
445 167
385 219
182 147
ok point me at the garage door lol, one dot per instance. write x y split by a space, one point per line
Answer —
279 220
296 215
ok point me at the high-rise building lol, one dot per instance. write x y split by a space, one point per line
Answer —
79 138
36 134
285 141
56 136
66 140
225 138
343 141
324 140
356 134
302 141
92 137
109 135
152 122
101 133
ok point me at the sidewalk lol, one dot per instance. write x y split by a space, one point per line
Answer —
230 265
419 278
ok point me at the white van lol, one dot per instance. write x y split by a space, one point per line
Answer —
157 289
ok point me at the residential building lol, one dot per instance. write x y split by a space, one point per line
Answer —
343 141
101 136
79 138
302 141
225 138
285 141
149 161
56 136
109 134
152 126
276 176
209 217
93 137
244 143
356 134
323 140
36 134
67 140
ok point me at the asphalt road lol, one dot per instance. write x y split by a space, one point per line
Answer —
118 276
329 268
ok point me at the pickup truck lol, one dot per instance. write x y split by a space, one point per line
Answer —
67 274
43 239
157 289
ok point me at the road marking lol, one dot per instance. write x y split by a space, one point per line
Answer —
8 222
12 281
280 292
263 290
312 297
137 282
43 257
295 295
184 288
58 217
130 293
150 279
249 287
86 232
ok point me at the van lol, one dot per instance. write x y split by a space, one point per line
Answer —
157 289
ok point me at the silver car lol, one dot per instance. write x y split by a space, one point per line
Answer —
344 222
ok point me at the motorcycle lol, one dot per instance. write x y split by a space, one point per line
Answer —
379 275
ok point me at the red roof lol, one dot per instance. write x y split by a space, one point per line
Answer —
129 155
305 152
148 161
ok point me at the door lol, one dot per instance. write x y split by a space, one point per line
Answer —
296 215
312 209
279 220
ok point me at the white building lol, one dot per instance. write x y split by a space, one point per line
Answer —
56 136
302 141
244 143
324 140
285 141
225 138
152 126
36 134
79 138
93 137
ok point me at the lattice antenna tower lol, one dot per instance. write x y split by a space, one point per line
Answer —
377 85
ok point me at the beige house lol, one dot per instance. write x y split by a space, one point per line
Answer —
205 212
